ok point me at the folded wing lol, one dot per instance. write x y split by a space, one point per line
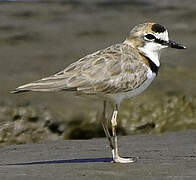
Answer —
111 70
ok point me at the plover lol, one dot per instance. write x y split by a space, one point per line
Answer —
118 72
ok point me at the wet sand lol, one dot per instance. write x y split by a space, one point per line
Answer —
164 156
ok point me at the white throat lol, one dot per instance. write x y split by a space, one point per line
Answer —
153 55
151 50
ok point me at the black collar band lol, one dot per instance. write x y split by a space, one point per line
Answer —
152 65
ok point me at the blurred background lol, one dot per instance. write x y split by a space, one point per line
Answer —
41 37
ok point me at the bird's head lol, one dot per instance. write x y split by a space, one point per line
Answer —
150 38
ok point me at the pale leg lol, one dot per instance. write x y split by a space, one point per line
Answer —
116 157
104 123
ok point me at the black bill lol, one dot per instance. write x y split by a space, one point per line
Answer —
173 44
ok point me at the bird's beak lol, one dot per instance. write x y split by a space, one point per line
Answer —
173 44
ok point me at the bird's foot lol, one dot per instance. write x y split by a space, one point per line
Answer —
118 159
123 160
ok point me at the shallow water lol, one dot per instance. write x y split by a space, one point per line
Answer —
39 38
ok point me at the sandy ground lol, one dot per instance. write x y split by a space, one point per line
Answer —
165 156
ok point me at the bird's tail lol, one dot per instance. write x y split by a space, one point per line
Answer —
52 83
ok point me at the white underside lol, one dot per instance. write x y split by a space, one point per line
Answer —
126 95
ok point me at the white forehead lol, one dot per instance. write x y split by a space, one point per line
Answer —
162 35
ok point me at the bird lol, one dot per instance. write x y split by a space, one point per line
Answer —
120 71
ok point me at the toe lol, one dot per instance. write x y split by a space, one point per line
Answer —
124 160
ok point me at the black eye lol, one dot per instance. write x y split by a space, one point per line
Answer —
150 37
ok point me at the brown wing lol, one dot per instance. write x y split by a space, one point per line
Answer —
112 70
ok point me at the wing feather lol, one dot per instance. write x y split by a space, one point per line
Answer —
112 70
